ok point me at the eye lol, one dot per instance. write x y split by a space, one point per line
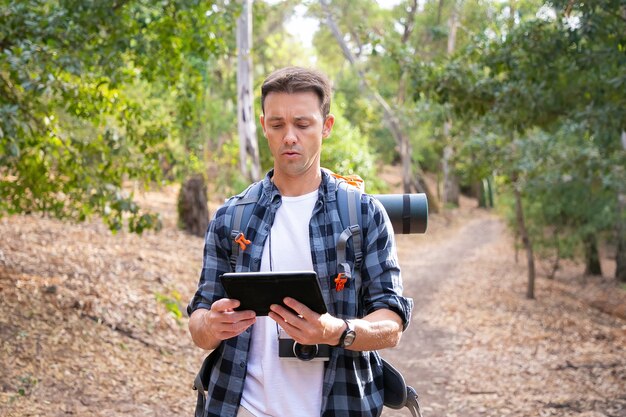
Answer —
303 126
278 126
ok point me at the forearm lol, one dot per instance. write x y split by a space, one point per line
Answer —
378 330
200 333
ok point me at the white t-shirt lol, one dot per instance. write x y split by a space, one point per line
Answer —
276 387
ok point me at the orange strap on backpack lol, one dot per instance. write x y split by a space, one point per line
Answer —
354 180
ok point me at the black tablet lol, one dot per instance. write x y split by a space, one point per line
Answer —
258 290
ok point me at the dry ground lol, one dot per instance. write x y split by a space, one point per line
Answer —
85 327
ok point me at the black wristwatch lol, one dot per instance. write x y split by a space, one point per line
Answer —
348 335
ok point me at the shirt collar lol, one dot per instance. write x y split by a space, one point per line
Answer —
327 190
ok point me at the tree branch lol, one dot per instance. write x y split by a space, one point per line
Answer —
119 4
391 119
410 22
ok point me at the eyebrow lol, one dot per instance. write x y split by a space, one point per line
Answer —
297 118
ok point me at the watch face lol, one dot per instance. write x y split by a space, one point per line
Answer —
349 338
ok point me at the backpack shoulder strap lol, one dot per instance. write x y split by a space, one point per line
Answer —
349 203
244 205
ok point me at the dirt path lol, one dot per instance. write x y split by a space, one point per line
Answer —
426 266
477 347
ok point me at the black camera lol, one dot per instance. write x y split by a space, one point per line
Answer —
289 349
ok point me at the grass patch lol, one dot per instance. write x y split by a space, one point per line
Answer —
171 302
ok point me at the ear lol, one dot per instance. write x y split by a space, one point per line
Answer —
262 120
328 126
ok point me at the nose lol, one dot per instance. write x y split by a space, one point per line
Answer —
290 136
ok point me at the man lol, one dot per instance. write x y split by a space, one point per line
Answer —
295 226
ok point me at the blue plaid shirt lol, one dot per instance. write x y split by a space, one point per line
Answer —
353 383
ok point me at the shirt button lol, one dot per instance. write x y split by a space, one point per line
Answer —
242 364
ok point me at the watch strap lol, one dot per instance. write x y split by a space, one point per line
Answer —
348 329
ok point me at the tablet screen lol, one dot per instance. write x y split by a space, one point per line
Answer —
258 290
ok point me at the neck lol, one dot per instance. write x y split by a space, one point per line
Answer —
293 186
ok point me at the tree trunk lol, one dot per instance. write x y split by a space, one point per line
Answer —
451 189
592 256
248 144
555 263
439 11
405 154
620 256
193 211
484 192
481 193
450 180
512 11
523 232
490 202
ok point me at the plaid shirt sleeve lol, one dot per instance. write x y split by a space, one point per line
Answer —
215 262
381 280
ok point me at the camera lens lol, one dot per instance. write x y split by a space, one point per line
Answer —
304 352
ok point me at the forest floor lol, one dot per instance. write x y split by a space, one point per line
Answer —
88 323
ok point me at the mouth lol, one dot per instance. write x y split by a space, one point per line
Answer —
290 153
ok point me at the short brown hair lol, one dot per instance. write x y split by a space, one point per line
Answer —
297 79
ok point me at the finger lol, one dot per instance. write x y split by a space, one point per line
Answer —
289 324
286 314
234 322
225 304
297 328
301 309
230 329
225 309
277 317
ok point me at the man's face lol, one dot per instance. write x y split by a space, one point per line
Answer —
294 128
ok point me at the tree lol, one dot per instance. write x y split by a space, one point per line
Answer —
519 88
193 211
248 144
87 102
450 180
620 258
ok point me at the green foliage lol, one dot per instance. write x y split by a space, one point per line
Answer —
543 108
387 44
347 152
93 95
172 303
273 47
228 178
27 383
368 31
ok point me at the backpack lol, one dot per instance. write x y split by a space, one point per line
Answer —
396 393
